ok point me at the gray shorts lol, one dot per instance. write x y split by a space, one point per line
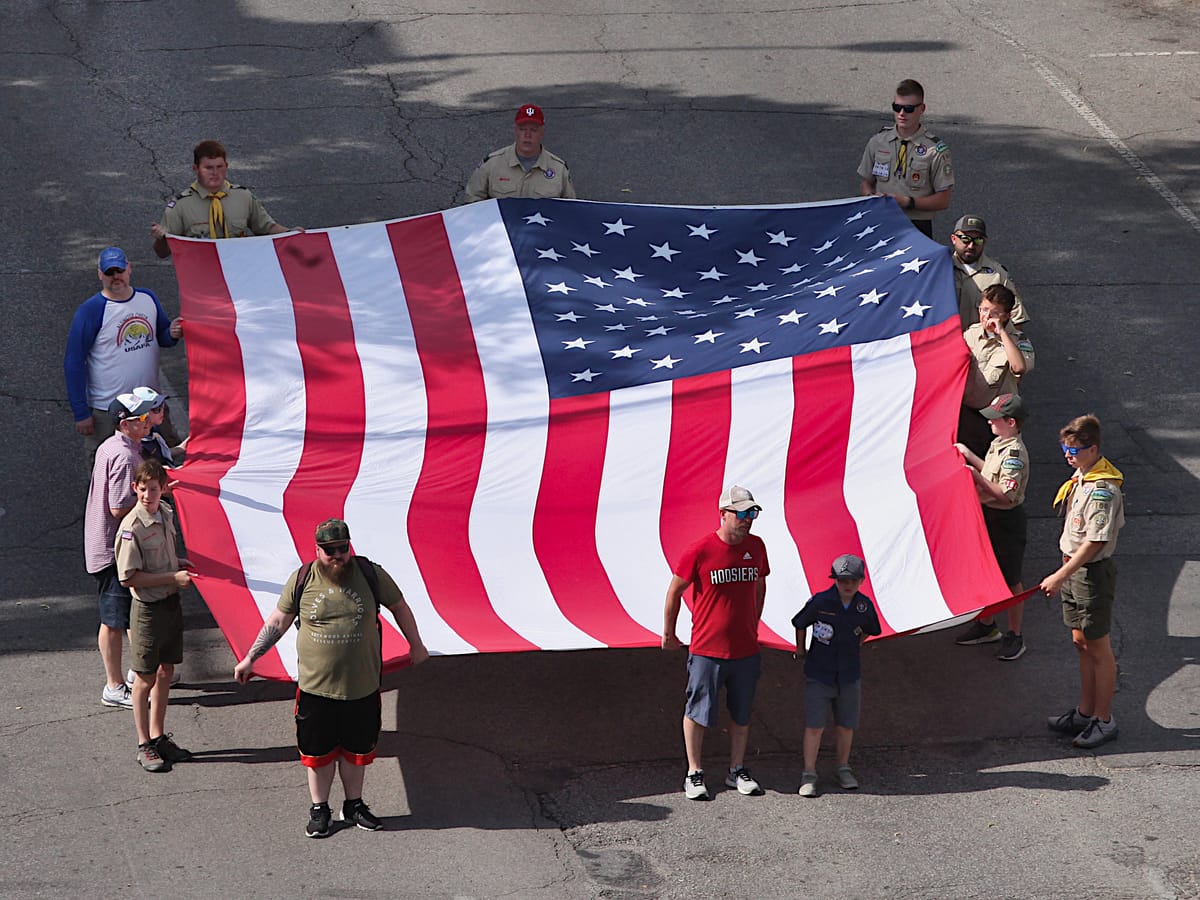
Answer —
707 675
843 699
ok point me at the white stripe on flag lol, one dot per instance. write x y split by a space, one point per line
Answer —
760 431
628 539
518 403
877 493
394 386
273 437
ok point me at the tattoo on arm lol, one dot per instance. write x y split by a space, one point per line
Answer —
267 638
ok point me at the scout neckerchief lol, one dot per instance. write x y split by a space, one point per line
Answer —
216 213
1102 469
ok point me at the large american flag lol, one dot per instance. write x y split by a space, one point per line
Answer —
527 409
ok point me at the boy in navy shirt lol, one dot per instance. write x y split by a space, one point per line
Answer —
841 619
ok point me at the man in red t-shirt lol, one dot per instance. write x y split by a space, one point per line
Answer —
727 571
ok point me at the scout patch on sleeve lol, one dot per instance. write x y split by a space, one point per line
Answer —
1012 462
1100 520
941 147
1102 495
1009 484
1025 345
127 535
170 204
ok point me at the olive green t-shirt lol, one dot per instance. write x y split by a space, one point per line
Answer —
338 645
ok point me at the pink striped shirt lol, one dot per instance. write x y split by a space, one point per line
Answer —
111 488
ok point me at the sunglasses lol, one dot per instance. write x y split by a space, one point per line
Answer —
907 107
967 239
113 271
1074 451
742 514
142 418
336 549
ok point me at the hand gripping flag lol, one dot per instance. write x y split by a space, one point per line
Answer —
527 409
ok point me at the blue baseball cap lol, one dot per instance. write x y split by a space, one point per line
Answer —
112 258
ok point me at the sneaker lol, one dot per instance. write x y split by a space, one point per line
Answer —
319 819
1012 646
979 633
845 778
694 787
355 812
1072 722
149 759
740 778
169 750
118 696
131 677
1096 733
808 784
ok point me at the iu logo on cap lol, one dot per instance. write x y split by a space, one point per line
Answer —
529 110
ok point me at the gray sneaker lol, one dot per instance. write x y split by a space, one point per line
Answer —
1072 722
1096 733
149 759
979 633
808 784
118 696
1012 646
845 778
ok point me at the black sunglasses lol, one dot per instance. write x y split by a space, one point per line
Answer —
907 107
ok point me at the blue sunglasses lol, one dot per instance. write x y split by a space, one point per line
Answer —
1075 451
751 514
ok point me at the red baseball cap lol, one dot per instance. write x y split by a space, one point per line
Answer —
530 113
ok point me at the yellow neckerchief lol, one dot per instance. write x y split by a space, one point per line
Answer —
1102 469
216 213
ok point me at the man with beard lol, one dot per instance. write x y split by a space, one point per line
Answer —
339 653
524 168
975 272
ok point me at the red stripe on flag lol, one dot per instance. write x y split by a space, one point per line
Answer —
564 523
945 490
217 418
814 498
335 397
695 473
439 518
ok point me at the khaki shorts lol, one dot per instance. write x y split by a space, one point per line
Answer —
156 634
1087 598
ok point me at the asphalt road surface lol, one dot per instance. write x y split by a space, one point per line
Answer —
1074 127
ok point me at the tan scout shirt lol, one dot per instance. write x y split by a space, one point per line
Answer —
990 376
929 169
187 214
338 647
501 175
147 544
1007 464
1096 512
972 280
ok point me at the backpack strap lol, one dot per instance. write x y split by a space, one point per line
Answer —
364 565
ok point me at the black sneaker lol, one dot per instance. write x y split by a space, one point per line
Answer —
355 812
979 633
319 818
1012 646
169 750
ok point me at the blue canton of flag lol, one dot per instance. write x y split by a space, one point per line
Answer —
624 295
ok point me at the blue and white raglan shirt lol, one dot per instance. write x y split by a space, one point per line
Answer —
113 348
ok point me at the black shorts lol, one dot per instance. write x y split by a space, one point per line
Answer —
327 729
1006 530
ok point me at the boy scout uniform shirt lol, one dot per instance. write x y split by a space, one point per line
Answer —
1096 512
834 653
146 543
972 279
991 376
502 175
338 648
1007 464
187 214
929 171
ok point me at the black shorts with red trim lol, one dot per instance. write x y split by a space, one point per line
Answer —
327 729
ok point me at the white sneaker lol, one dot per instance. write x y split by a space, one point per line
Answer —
740 778
808 784
118 696
694 787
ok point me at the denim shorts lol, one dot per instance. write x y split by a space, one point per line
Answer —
115 599
707 675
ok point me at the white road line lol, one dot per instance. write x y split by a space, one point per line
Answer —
1126 53
1089 115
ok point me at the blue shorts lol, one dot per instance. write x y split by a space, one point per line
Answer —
707 675
820 698
115 599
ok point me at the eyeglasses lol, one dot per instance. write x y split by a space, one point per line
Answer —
967 239
750 514
907 107
1075 451
113 271
336 549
